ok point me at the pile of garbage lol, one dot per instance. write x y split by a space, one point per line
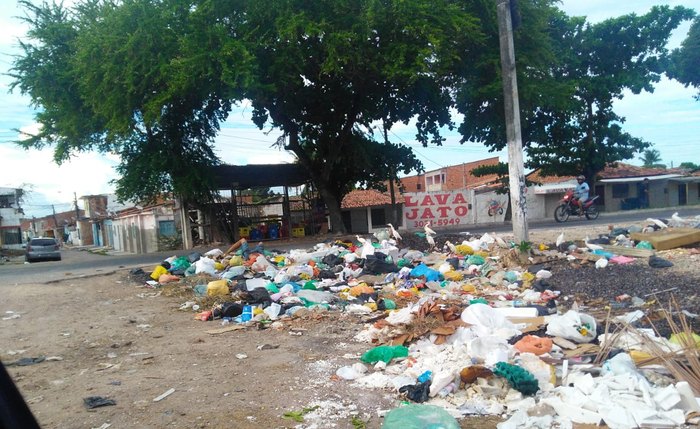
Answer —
473 327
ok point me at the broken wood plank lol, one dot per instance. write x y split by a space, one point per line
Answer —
669 238
628 251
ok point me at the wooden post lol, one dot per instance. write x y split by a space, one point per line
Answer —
516 175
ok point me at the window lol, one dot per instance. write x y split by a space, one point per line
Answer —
437 180
620 190
418 186
166 228
11 236
378 217
429 181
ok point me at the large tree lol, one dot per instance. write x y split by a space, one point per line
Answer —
137 78
685 64
327 72
151 81
569 126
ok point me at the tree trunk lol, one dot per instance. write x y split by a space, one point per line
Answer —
334 210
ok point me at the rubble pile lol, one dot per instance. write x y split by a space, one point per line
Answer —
477 324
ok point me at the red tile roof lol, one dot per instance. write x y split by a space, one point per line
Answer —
627 170
536 177
368 198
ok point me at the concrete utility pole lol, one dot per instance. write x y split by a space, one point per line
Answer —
516 175
77 214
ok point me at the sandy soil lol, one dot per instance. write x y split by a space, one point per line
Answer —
112 337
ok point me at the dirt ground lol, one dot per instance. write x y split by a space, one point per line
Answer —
112 337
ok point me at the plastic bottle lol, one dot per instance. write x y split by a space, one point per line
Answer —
247 313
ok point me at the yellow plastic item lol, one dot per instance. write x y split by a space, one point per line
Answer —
469 288
682 340
528 277
235 261
298 232
455 276
257 310
158 271
371 305
217 287
639 356
543 247
218 266
463 249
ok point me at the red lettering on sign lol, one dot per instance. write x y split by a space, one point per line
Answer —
427 201
412 214
444 211
409 202
427 214
461 210
459 199
441 198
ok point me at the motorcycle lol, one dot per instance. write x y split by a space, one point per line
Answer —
569 207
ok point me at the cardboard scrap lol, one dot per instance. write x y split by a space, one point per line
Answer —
225 329
628 251
669 238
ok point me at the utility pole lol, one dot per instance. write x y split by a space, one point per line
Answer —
77 214
516 175
55 223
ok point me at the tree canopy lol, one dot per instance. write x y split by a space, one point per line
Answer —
685 61
153 80
567 92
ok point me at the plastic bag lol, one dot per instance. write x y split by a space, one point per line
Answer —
384 354
217 287
573 326
416 416
205 266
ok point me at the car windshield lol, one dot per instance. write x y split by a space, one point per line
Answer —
43 242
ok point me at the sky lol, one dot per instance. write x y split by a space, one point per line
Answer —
669 118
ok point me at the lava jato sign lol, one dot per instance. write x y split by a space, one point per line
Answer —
438 208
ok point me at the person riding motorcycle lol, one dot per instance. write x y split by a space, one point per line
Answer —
581 192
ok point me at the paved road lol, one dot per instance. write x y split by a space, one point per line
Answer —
78 263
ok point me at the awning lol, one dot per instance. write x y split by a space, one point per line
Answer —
554 188
640 178
687 179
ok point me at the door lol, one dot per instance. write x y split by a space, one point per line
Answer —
682 194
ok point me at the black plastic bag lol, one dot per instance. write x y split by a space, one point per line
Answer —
418 392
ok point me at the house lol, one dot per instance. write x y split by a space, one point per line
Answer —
367 210
446 196
10 218
620 187
450 178
60 225
146 229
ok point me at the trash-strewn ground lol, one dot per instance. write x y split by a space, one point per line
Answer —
112 337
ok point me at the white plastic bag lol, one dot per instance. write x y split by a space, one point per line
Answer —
573 326
205 266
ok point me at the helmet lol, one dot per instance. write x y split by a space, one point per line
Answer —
581 177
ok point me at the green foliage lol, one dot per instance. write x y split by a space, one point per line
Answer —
327 71
128 78
524 246
569 74
690 166
501 171
685 61
650 157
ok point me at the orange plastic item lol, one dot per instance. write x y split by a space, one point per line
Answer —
534 344
168 278
360 289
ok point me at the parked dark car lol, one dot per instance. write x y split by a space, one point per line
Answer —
42 249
